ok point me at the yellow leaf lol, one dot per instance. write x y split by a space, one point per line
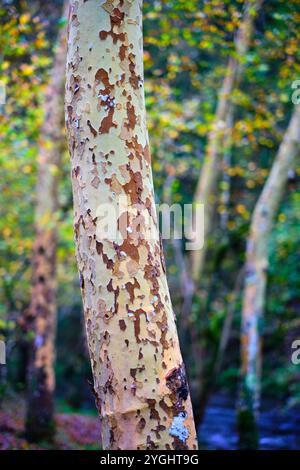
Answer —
24 18
27 169
282 218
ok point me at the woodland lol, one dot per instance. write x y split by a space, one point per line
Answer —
137 342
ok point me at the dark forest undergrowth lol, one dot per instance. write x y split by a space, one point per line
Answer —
75 430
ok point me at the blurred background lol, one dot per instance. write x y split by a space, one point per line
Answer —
189 46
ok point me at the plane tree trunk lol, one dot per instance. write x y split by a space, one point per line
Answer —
139 377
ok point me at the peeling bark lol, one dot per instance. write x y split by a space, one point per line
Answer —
206 187
255 280
40 319
139 378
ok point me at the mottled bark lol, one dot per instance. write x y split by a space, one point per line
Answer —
255 280
139 378
206 187
40 319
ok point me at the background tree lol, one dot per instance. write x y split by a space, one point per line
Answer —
22 69
210 171
40 319
256 278
206 193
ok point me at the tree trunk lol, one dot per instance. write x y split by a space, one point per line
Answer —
40 320
255 281
206 188
226 164
139 377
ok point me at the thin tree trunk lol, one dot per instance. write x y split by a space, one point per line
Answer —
227 156
255 281
185 279
139 377
227 326
207 183
40 320
206 188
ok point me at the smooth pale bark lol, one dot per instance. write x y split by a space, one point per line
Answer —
139 377
256 276
206 187
40 319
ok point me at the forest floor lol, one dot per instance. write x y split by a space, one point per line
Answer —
279 427
74 431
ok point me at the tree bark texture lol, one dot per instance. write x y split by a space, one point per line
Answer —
140 383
